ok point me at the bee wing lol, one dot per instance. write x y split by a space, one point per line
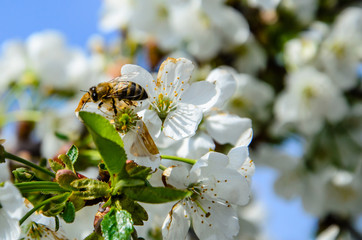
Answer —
143 145
124 77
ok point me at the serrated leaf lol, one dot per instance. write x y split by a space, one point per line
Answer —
54 165
68 213
117 224
107 140
73 153
155 194
67 162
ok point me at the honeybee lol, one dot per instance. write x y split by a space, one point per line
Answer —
114 93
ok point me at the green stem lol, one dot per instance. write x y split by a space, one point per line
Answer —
22 220
43 186
28 163
180 159
163 168
125 183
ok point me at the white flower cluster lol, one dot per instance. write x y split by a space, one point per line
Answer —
201 27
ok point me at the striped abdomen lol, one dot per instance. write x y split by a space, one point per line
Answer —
133 91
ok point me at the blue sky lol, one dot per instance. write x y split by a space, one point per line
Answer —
78 20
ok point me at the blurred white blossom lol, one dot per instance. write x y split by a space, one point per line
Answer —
310 99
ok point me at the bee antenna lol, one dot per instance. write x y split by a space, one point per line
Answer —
83 90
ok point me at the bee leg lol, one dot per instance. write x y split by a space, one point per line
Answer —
100 104
114 106
128 102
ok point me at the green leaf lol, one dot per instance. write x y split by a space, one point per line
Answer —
69 212
94 236
139 214
117 224
23 174
67 162
137 171
90 188
54 165
61 136
55 206
107 140
73 153
155 194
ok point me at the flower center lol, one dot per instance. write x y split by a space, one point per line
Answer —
164 105
309 92
125 120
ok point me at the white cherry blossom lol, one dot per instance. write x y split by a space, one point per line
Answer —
341 51
176 106
206 26
11 211
218 182
309 99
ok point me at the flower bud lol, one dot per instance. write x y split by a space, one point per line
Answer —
64 177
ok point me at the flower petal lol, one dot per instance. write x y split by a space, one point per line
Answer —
182 122
237 157
175 72
227 128
140 76
201 94
196 146
222 182
140 148
152 121
225 85
12 201
176 224
9 227
221 223
176 176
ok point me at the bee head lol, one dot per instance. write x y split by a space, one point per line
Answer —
93 93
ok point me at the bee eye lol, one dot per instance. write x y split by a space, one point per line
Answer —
94 96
